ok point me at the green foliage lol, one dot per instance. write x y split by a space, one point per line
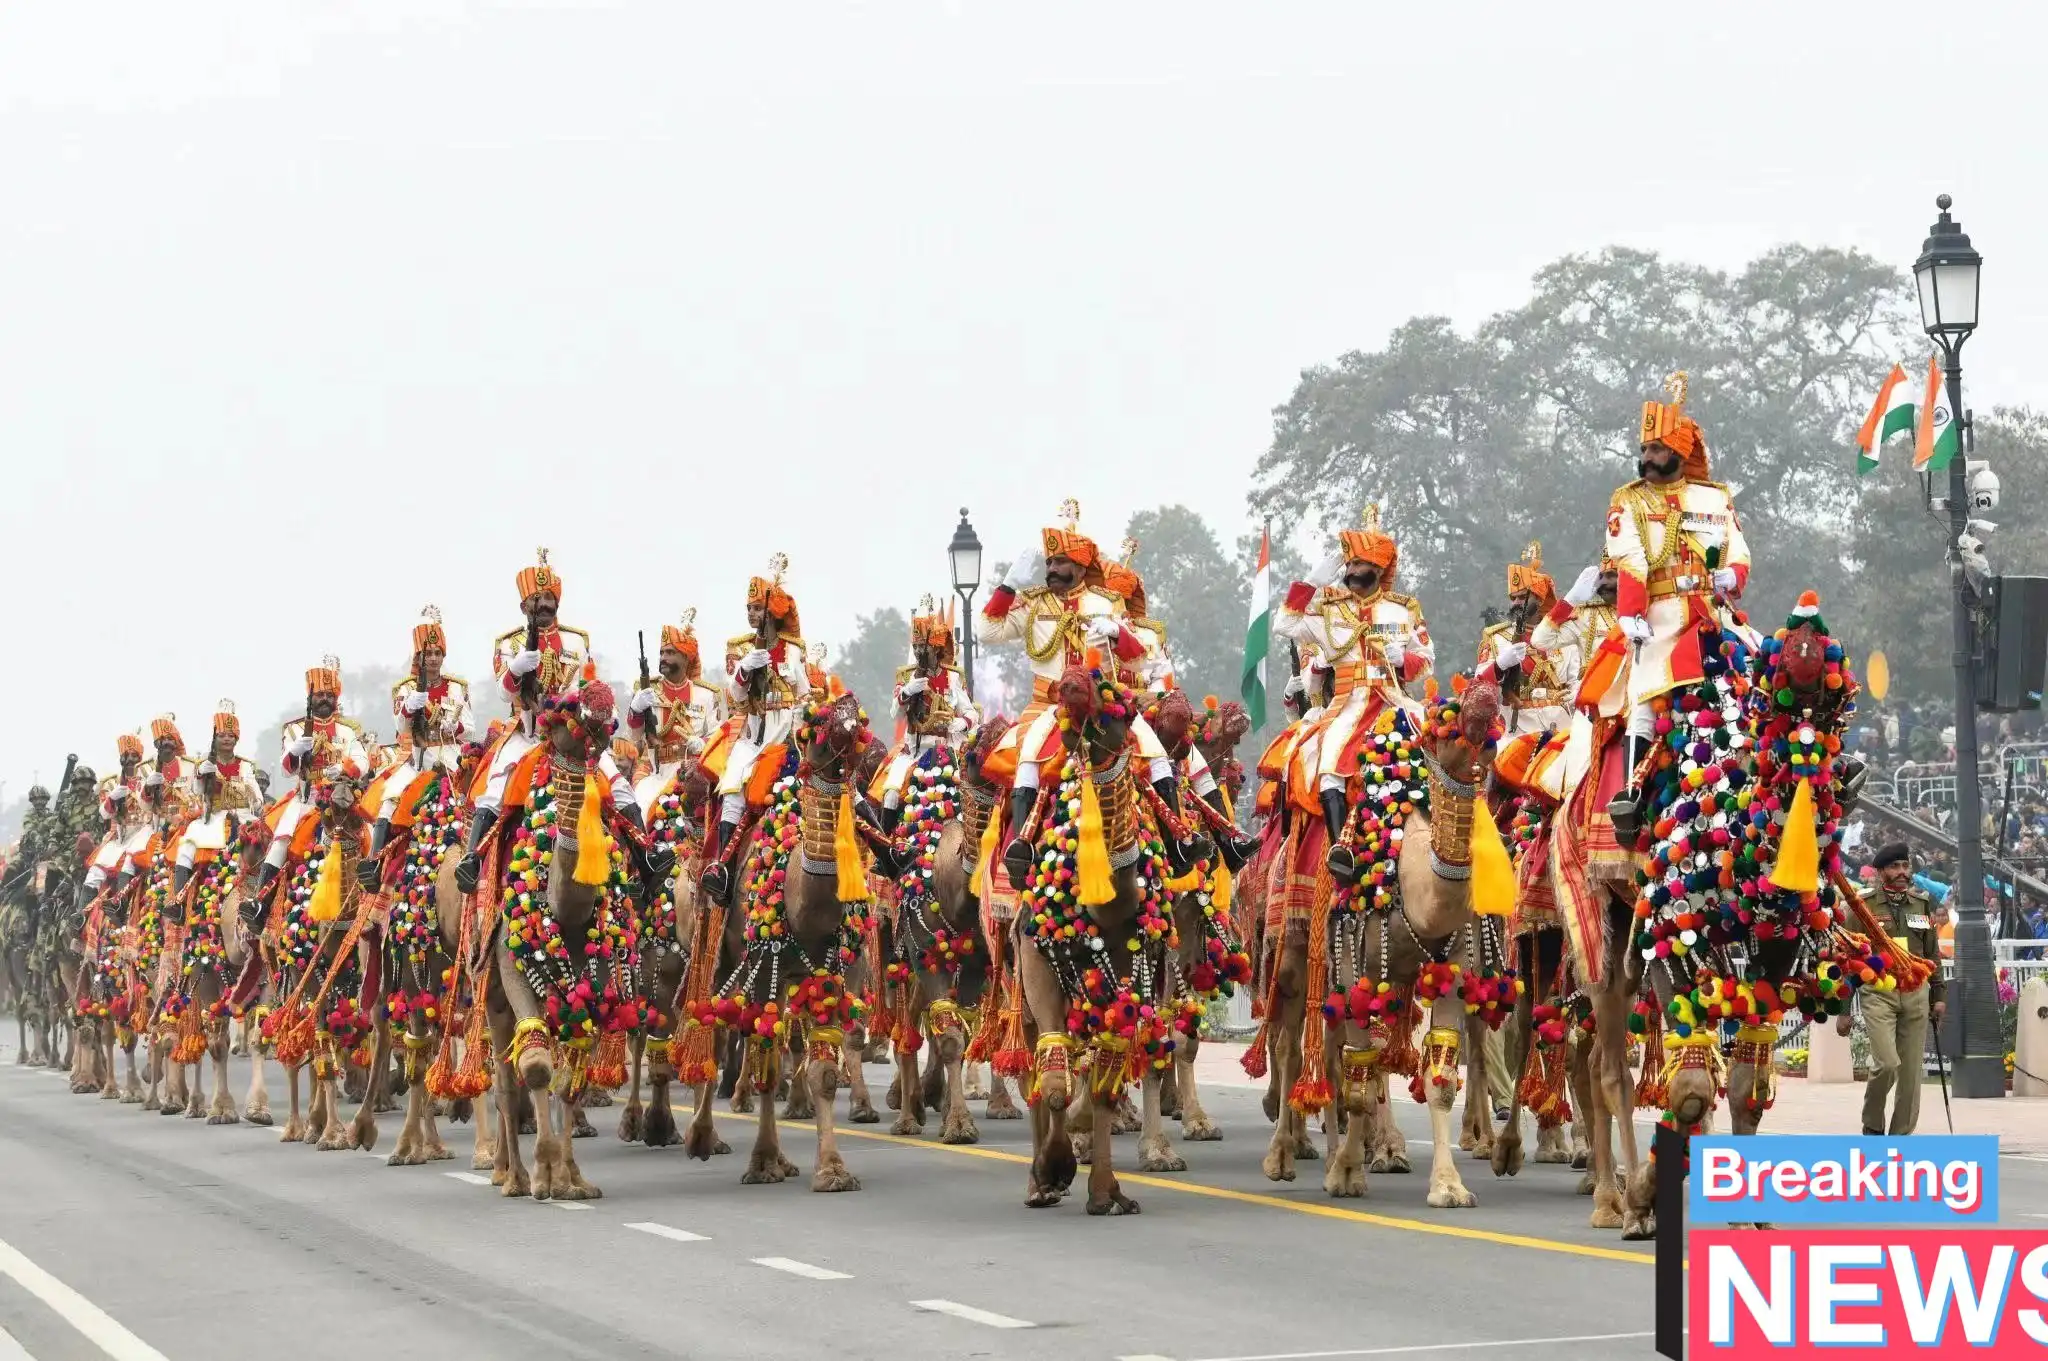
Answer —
867 663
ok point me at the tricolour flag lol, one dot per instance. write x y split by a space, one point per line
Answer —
1890 414
1936 440
1258 636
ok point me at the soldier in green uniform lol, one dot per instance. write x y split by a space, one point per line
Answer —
1896 1022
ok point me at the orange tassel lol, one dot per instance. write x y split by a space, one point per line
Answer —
1311 1091
1012 1059
608 1068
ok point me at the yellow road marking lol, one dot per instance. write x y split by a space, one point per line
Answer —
1511 1240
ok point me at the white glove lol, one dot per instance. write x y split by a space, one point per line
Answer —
1104 631
524 663
208 768
1025 569
1510 655
1585 588
916 685
1328 570
152 780
117 793
754 660
643 701
1725 580
1635 628
415 701
1295 686
298 746
958 727
693 745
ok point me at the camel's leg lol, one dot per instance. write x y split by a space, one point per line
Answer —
823 1079
195 1091
977 1086
860 1106
1195 1124
238 1030
633 1117
1602 1174
363 1132
1124 1116
1446 1019
1052 1153
658 1129
742 1102
1578 1073
701 1139
152 1075
1284 1066
133 1090
958 1126
1081 1129
1155 1154
800 1105
411 1149
569 1180
1477 1136
1052 1158
1001 1105
766 1165
334 1135
256 1105
483 1153
223 1110
1507 1150
909 1092
1344 1170
1105 1195
294 1123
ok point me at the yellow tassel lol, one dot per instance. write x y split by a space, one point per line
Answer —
1798 867
593 843
988 853
1493 874
853 875
1221 895
326 904
1187 883
1093 887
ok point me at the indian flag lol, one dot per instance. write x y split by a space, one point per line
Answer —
1890 414
1258 636
1936 439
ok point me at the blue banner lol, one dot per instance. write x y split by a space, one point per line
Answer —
1843 1179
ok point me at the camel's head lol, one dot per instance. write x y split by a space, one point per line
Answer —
1224 725
1476 716
1803 659
1076 695
833 734
1173 722
868 763
337 796
579 725
982 746
251 840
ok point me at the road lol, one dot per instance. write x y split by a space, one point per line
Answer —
131 1235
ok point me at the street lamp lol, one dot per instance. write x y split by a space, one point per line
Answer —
1946 276
965 555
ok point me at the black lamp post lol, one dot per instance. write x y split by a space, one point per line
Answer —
1946 275
965 555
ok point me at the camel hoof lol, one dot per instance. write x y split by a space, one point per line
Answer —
1585 1187
632 1125
483 1162
404 1160
224 1118
192 1112
583 1128
1482 1150
1277 1165
597 1097
719 1147
259 1117
1635 1228
1126 1122
1117 1203
363 1137
761 1176
438 1153
294 1133
1553 1155
787 1167
659 1129
906 1127
1342 1182
1041 1199
834 1179
1451 1197
743 1103
1307 1152
864 1114
526 1125
1507 1158
1161 1159
1200 1130
962 1133
516 1184
701 1143
1084 1149
152 1103
1005 1109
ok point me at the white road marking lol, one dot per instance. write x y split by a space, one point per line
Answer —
804 1269
473 1178
1432 1347
673 1234
11 1350
78 1311
567 1204
970 1313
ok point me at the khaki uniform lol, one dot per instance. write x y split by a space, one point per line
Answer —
1896 1022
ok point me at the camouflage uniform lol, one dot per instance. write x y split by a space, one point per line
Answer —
41 837
1896 1022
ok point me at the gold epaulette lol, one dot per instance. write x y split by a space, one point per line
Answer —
1409 602
904 673
1152 624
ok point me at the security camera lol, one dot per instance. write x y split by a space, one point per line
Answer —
1983 484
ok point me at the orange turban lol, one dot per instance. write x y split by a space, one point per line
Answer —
683 637
780 603
1667 424
428 630
225 724
1071 543
325 678
539 577
1369 544
933 627
128 744
1528 575
164 728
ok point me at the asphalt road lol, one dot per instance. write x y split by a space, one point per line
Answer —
131 1235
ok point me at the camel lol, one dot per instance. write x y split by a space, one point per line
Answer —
1429 924
213 956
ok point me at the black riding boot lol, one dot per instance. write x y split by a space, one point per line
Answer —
656 862
1234 846
716 880
1019 854
1626 808
367 869
251 911
1342 863
472 862
1181 855
181 875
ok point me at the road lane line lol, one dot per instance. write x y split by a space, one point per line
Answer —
672 1234
566 1204
78 1311
1432 1347
1307 1207
804 1269
12 1350
970 1313
473 1178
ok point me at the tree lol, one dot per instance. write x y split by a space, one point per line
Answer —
1477 446
1196 592
867 664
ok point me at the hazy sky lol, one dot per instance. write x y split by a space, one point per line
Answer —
313 313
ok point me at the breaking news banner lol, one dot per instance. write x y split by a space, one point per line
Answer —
1889 1244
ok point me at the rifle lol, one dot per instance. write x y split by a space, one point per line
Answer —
306 761
647 683
419 720
764 638
529 684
